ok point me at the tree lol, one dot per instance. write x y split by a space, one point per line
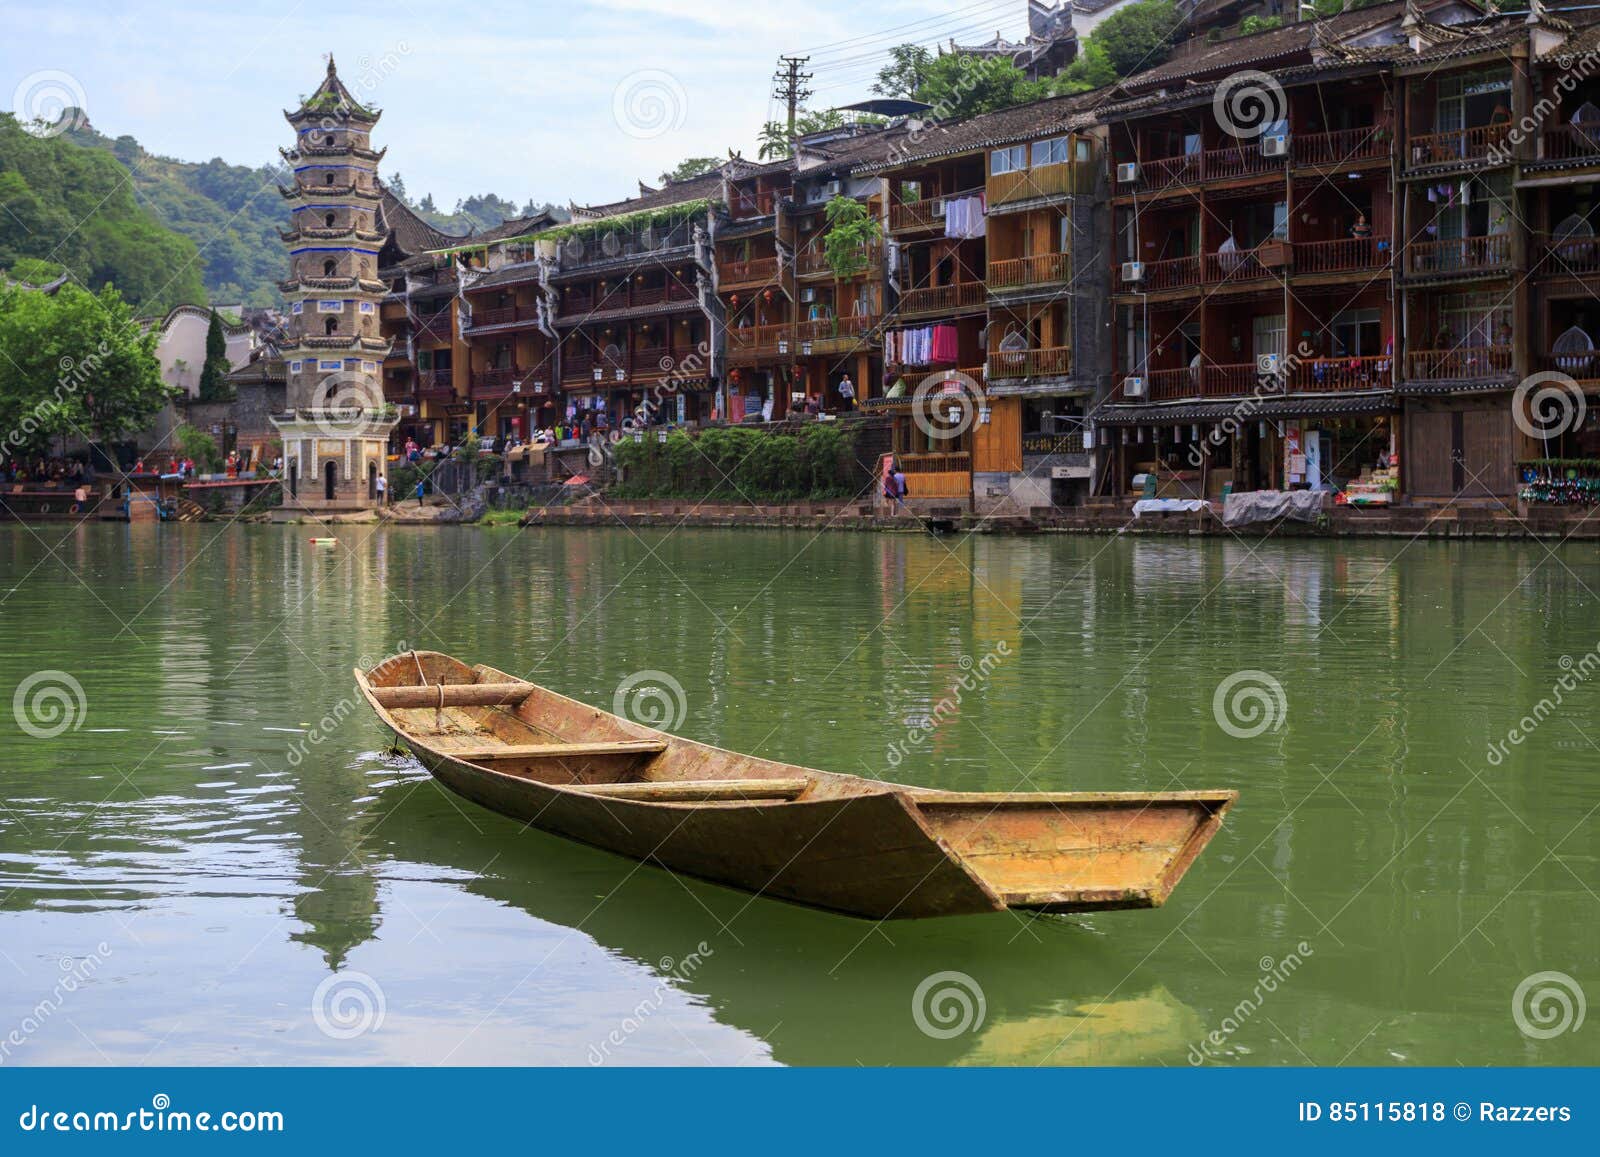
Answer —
214 386
74 363
202 447
427 205
1091 70
396 184
851 232
1138 36
690 167
774 136
962 85
904 74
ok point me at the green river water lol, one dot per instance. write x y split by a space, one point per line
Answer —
216 862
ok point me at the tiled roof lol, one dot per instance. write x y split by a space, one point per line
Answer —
518 274
1484 38
986 130
675 193
510 227
411 233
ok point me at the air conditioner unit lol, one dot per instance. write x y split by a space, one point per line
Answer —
808 294
1133 387
1127 174
1275 146
1133 271
833 188
938 208
1267 363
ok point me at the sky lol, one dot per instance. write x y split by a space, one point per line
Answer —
577 100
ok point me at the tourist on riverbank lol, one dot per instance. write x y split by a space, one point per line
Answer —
383 490
847 391
421 490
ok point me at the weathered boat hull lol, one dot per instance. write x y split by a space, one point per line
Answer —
842 843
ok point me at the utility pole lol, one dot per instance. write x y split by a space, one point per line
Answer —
789 85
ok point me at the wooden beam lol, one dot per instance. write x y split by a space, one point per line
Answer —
699 790
454 695
557 750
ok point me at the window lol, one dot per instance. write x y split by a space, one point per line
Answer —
330 307
1052 152
1084 154
1011 160
327 220
1358 333
1270 336
329 268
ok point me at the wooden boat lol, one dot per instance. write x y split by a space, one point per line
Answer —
838 842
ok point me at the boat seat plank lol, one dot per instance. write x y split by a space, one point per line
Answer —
453 695
549 750
700 790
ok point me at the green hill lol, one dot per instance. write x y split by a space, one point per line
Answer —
74 207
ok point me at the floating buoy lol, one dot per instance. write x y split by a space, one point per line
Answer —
324 541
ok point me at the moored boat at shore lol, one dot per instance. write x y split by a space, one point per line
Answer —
837 842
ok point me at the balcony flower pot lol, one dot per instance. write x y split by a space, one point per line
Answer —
1273 254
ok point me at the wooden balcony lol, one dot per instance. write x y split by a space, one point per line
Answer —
813 260
1583 368
504 315
830 335
926 214
650 361
1026 272
1333 375
937 475
435 327
1344 255
1569 143
436 385
754 341
756 271
1027 184
1240 265
1473 144
1209 380
1341 146
1459 255
1164 171
1460 364
748 203
1235 161
502 381
1054 362
943 299
1171 273
577 365
1569 257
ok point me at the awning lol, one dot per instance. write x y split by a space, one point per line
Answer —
1245 409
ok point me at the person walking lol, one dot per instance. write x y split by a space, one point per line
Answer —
383 490
847 391
421 490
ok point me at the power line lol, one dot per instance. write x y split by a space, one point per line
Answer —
790 84
958 14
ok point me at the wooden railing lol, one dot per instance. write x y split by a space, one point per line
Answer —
1457 254
852 328
1459 364
1040 363
1329 375
813 259
755 269
1184 170
498 380
577 365
1171 273
436 384
750 204
1339 255
1582 367
645 360
758 339
1570 257
928 213
1240 265
944 298
1569 142
934 463
503 315
1237 161
1340 145
1026 184
1040 269
1457 145
435 326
